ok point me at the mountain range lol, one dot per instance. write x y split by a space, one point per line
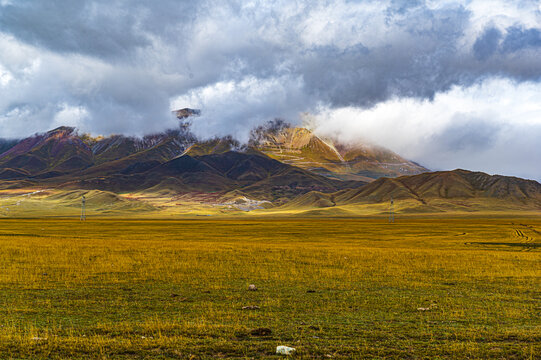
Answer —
281 169
436 192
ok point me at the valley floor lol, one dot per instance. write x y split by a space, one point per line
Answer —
331 288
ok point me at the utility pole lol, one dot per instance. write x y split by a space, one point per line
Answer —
391 211
83 210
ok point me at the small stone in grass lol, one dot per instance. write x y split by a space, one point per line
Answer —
252 287
250 307
431 307
261 332
285 350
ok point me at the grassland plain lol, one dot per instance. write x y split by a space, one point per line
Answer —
332 288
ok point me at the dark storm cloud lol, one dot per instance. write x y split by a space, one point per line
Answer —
73 26
104 29
487 44
416 56
416 61
519 38
116 66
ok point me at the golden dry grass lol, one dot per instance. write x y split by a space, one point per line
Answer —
332 288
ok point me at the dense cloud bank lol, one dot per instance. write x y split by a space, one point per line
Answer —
121 66
494 126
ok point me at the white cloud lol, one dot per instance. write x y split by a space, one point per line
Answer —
5 76
493 126
235 107
74 116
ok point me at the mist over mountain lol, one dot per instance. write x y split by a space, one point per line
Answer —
65 150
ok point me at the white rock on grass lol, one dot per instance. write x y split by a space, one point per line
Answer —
285 350
252 287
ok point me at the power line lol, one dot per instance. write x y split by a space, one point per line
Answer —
83 210
391 211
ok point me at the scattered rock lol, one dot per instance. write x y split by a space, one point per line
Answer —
250 307
177 297
252 287
285 350
261 332
431 307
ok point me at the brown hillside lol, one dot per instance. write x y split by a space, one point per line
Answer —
443 190
301 147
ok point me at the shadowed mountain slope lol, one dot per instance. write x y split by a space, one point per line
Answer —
57 151
61 152
170 163
251 174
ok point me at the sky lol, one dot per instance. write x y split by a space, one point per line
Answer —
449 84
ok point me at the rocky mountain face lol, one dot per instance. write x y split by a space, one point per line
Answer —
328 157
63 151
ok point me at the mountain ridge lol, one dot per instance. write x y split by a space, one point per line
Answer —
62 151
437 191
303 148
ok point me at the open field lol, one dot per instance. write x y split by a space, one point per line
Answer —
332 288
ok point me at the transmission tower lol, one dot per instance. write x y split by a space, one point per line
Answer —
391 211
83 210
